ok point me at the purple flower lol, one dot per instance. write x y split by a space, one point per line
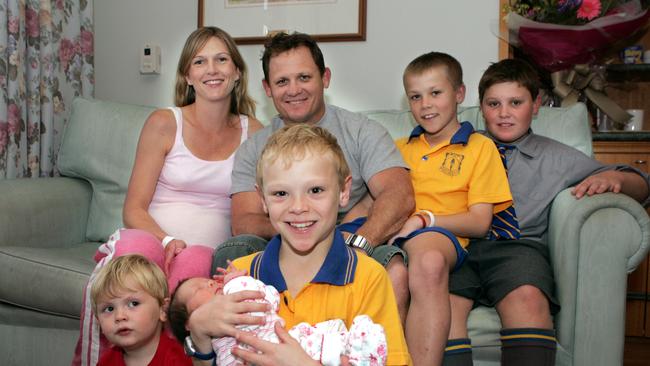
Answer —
566 5
13 118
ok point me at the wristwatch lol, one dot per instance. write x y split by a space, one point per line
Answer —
191 351
358 241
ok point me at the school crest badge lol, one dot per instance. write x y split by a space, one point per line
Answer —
452 164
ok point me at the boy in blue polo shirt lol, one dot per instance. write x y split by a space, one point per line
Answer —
302 179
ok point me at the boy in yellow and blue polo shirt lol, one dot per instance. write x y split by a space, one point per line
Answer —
459 183
303 178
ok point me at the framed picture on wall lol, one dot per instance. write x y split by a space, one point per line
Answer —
252 21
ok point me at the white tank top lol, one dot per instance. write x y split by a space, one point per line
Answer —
192 197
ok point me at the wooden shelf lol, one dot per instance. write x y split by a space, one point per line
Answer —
628 72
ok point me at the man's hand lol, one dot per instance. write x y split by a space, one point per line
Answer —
607 181
287 353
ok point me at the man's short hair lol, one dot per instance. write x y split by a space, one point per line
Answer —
510 70
122 273
283 42
292 143
432 60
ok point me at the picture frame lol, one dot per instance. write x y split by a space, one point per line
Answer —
324 20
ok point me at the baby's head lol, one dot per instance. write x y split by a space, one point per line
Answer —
190 294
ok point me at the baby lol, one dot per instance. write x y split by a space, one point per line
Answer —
363 345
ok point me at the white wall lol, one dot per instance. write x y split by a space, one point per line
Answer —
365 75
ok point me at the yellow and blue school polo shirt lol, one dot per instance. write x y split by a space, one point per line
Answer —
450 177
348 284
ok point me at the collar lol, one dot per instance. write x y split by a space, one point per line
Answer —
460 137
337 269
528 144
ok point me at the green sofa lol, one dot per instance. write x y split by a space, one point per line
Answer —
50 228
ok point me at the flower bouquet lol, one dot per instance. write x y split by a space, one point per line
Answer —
557 34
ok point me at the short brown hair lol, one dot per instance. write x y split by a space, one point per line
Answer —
431 60
509 70
293 143
283 42
123 271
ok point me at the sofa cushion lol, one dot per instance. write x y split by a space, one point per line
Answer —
98 145
46 280
574 122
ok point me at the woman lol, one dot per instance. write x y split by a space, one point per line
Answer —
177 207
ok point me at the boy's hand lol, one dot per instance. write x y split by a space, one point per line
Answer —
171 250
413 223
608 181
287 353
220 316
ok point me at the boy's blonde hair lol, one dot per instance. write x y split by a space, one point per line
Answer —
432 60
292 143
122 273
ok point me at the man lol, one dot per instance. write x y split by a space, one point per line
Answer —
295 77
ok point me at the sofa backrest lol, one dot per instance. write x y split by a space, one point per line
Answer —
568 125
98 145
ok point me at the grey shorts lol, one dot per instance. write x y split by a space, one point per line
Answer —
494 268
243 245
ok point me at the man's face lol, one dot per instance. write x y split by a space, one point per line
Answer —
508 109
296 86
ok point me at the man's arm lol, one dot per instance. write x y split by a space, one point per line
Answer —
629 183
393 203
248 216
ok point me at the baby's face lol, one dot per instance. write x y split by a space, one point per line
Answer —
197 291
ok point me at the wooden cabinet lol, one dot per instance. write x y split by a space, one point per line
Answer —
636 154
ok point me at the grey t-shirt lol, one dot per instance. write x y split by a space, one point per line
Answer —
367 146
540 168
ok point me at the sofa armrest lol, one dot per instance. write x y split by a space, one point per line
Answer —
44 212
594 242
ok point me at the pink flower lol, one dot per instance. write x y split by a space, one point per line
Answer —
13 118
66 52
589 9
86 43
14 25
32 23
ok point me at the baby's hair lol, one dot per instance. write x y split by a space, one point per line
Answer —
432 60
125 272
177 315
510 70
293 143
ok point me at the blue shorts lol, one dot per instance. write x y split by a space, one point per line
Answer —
461 253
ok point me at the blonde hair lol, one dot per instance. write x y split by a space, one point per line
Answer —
123 272
240 102
293 143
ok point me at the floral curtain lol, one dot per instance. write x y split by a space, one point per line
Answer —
46 59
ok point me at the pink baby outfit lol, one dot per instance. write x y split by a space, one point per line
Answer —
364 344
223 345
192 203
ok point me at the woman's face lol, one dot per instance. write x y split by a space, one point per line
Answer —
212 72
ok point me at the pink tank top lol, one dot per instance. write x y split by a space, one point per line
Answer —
192 197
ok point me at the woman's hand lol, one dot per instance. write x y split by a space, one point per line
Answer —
171 250
287 353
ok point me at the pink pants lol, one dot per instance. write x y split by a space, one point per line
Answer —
193 261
